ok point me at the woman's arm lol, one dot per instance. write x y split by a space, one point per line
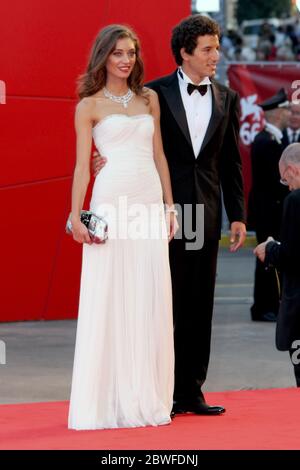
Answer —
159 156
161 163
81 178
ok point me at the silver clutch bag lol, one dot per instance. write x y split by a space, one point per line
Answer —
96 225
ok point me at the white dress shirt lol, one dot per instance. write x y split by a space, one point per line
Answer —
198 109
293 135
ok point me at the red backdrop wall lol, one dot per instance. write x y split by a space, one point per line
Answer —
44 47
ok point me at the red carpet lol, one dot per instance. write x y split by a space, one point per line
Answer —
260 419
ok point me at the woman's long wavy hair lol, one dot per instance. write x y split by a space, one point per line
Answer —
95 77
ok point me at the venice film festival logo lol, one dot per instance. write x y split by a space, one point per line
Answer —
251 119
252 116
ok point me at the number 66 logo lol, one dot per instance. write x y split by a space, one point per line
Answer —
248 132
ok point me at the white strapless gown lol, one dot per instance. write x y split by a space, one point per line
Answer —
123 373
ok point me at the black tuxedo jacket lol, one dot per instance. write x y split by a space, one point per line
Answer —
287 258
267 193
199 180
285 139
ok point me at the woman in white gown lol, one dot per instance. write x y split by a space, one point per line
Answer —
124 360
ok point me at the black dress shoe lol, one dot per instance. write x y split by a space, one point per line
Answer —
205 409
198 407
178 409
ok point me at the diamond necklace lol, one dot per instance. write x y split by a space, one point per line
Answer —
124 99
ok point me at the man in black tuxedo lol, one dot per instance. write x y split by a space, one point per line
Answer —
200 132
266 199
285 255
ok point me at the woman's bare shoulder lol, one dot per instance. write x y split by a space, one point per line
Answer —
153 100
85 110
151 93
85 104
88 105
89 102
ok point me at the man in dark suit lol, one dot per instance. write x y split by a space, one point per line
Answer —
266 199
285 255
200 132
291 133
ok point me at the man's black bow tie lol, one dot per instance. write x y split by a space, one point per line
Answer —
201 88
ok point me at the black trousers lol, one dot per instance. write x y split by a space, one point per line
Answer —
193 281
266 292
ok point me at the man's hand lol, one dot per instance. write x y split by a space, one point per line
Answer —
237 235
172 225
98 163
260 250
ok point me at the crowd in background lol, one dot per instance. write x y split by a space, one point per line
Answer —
273 44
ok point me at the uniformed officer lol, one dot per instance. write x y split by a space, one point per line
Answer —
266 200
292 133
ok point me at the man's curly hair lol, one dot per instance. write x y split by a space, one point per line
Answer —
186 33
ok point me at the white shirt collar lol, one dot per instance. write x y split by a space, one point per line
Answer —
184 78
275 131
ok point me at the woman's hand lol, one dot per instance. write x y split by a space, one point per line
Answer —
98 162
80 232
172 224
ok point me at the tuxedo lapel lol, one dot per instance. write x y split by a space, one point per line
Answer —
218 100
171 92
